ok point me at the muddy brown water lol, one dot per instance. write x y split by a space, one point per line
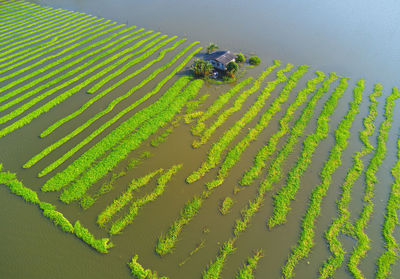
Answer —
359 39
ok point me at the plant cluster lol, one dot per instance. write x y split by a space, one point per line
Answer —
140 272
101 245
201 68
240 58
246 272
226 206
254 60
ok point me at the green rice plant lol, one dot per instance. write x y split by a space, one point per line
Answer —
234 153
237 105
105 216
62 77
59 220
226 206
268 149
361 223
166 243
163 137
116 73
342 133
215 152
214 270
109 108
77 189
101 245
6 5
340 222
288 192
218 105
18 12
65 177
140 272
391 254
194 105
62 68
162 181
246 272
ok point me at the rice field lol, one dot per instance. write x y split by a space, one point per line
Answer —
106 133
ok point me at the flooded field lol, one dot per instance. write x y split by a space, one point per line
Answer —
119 154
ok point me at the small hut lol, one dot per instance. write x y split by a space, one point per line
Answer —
220 59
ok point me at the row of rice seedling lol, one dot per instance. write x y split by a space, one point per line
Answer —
89 199
340 222
58 44
19 11
218 105
50 212
162 181
140 272
237 105
288 192
131 142
342 133
115 73
216 150
59 62
361 223
391 254
73 171
268 149
6 5
126 197
195 104
235 153
246 272
274 175
110 108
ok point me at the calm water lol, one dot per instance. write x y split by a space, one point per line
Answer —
358 39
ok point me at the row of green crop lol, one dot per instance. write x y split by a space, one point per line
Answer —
59 62
268 149
120 202
107 110
16 7
140 272
339 223
237 105
218 105
80 165
89 199
115 73
162 181
363 240
274 175
194 105
288 192
391 254
246 272
18 12
215 153
235 153
342 133
17 56
131 142
49 211
59 43
6 5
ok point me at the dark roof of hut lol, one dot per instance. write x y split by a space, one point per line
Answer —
223 56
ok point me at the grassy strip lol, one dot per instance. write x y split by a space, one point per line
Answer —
274 175
234 154
288 192
342 133
101 245
389 257
65 177
163 137
79 187
215 152
60 69
226 206
338 224
18 12
370 180
194 105
117 72
49 211
162 181
246 272
237 105
76 88
9 18
6 5
108 109
217 106
268 149
105 216
88 200
140 272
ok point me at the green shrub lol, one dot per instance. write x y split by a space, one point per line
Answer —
240 58
254 60
232 68
202 68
